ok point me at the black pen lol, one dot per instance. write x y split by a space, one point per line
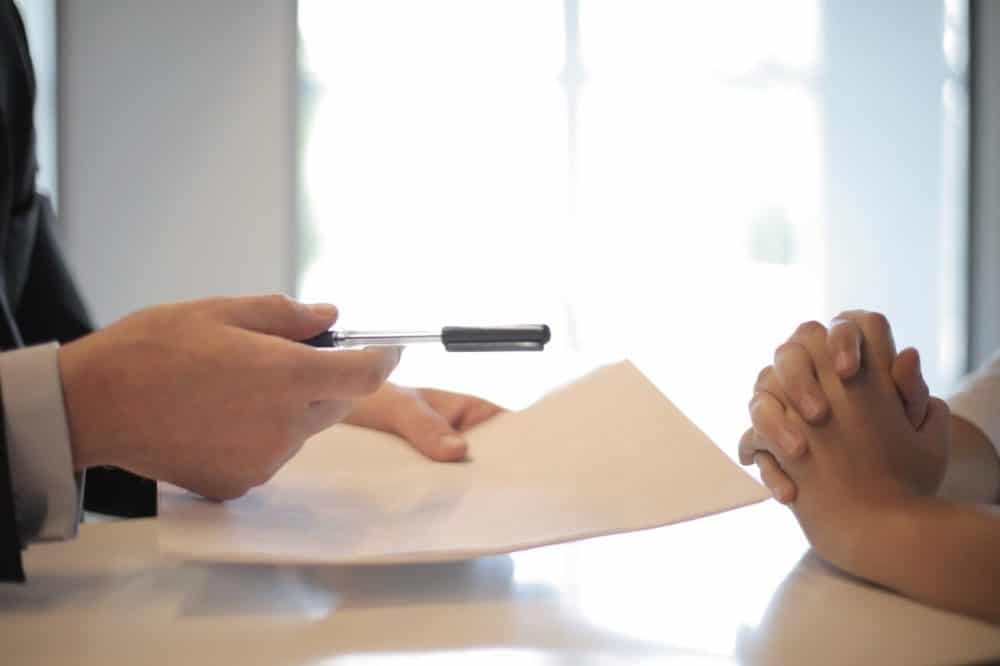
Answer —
454 338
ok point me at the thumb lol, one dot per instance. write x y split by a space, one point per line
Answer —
277 315
911 386
934 448
429 432
938 421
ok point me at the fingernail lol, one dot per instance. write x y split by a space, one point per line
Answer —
324 310
453 442
844 363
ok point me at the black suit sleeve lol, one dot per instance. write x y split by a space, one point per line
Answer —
49 307
10 544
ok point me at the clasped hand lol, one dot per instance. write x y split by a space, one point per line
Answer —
844 429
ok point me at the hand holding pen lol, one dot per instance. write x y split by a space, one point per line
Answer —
454 338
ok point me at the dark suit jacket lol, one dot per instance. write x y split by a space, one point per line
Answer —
38 300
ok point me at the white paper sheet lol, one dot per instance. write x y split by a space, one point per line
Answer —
605 454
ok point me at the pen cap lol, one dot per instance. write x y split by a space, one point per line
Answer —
503 338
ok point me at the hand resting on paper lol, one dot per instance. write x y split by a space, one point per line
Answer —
430 420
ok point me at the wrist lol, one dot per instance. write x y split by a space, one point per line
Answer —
887 532
85 447
972 471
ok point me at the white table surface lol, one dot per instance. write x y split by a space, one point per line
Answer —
734 588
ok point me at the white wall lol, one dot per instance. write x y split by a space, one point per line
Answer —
40 25
177 148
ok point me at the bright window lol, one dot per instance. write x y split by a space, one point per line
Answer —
676 182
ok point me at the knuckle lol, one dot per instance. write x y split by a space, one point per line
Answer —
843 332
745 442
789 354
877 321
760 412
810 329
765 377
784 348
848 317
749 445
280 301
795 366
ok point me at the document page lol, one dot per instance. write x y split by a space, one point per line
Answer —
607 453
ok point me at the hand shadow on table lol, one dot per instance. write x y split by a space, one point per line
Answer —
822 615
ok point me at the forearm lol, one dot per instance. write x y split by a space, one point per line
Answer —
973 471
938 552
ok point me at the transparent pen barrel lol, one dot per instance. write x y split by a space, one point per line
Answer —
355 339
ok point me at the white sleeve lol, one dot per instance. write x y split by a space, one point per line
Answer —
978 400
47 494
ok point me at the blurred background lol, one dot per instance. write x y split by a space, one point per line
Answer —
679 183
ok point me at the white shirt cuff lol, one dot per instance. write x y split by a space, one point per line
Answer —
47 494
978 400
